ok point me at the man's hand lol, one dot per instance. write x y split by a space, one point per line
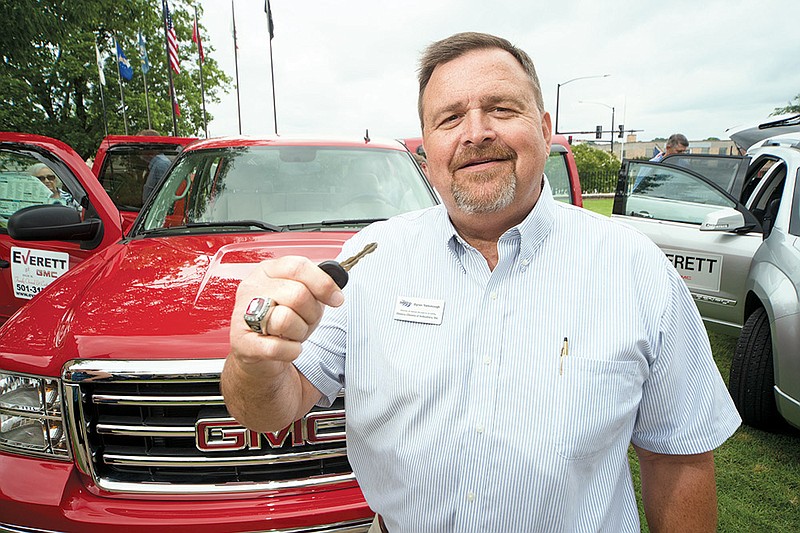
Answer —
262 388
679 491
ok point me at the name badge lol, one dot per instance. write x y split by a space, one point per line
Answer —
420 310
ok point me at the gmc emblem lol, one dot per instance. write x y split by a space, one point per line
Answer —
227 435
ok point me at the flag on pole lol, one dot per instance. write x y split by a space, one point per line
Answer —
99 65
143 54
125 68
269 20
172 43
175 107
196 39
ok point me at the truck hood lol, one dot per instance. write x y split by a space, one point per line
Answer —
151 298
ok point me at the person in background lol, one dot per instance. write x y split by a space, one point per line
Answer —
676 144
157 166
501 351
49 178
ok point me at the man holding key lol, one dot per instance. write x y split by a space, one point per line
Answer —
501 351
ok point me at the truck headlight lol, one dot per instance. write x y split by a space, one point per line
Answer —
31 421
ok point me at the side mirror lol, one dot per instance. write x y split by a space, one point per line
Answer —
52 223
725 219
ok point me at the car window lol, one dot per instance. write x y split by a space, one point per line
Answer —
720 170
670 194
767 194
287 185
126 169
28 179
558 175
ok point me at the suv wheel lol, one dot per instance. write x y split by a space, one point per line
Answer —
752 379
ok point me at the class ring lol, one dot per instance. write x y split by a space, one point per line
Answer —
257 314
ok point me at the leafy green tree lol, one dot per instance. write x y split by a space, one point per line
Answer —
597 168
49 77
791 108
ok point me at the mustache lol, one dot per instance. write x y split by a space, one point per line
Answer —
473 154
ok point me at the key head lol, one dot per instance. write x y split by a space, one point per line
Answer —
336 272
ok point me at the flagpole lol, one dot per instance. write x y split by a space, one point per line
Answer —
143 61
121 91
147 101
102 78
236 62
105 119
169 70
271 64
200 63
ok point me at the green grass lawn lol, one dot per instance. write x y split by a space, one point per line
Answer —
599 205
758 473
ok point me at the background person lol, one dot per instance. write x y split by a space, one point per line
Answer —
157 166
490 383
49 178
676 144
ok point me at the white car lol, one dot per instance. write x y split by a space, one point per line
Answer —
731 227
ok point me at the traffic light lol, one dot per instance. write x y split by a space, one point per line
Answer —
598 132
569 139
621 131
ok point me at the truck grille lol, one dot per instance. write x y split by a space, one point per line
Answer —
154 427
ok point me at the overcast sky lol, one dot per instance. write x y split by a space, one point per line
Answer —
344 66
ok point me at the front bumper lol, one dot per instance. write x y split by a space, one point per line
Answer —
49 496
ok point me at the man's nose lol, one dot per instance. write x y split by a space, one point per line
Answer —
477 127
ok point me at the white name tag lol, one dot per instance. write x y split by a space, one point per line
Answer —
419 310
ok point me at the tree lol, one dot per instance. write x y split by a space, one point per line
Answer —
49 78
597 168
791 108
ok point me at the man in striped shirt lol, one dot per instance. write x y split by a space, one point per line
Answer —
502 351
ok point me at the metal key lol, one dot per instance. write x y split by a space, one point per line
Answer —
338 271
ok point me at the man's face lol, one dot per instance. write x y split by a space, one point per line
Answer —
677 149
485 139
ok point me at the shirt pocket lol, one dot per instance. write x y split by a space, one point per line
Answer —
596 401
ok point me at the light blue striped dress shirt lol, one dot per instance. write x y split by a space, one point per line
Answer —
477 424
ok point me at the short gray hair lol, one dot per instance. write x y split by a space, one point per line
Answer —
677 139
459 44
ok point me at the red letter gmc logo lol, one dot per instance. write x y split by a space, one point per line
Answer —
227 435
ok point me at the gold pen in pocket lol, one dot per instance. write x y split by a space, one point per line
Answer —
564 353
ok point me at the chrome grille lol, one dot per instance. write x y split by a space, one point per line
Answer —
151 427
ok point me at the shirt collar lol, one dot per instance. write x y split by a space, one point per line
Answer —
532 231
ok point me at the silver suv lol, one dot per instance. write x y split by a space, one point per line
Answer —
731 227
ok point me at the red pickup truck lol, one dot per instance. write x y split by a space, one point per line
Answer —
109 378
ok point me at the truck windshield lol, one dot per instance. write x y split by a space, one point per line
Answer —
284 186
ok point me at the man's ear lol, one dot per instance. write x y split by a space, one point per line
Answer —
547 130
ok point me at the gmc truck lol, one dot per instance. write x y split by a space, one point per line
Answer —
110 411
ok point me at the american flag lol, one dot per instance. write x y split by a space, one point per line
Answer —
172 43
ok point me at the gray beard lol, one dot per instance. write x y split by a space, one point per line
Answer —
469 203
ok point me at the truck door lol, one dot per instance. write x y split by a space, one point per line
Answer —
32 174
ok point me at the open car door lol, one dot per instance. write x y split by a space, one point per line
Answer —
706 233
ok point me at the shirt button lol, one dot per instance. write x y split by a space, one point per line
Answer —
526 262
470 496
479 428
487 361
493 295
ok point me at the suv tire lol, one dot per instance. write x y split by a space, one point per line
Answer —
752 378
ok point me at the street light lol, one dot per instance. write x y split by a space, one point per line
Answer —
611 107
558 90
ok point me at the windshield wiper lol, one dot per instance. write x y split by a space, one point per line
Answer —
220 224
332 223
